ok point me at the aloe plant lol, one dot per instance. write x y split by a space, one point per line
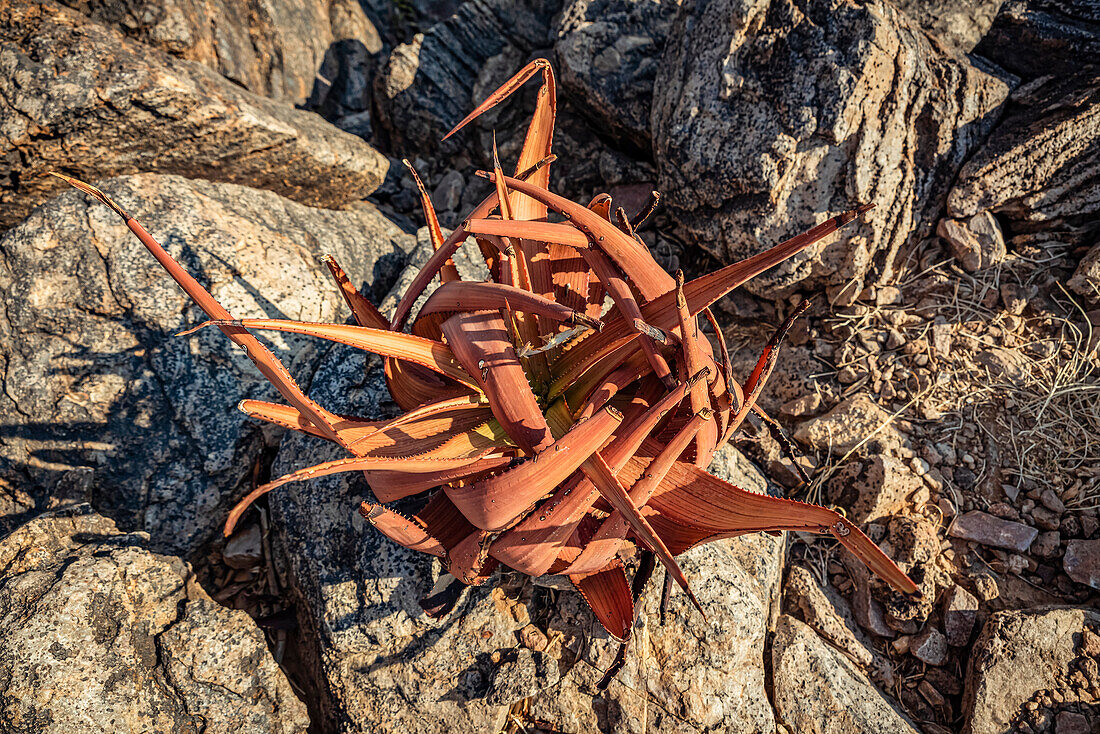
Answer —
539 431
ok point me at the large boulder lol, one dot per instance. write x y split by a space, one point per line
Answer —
1040 169
99 634
819 691
608 54
273 49
1021 658
81 98
770 116
97 389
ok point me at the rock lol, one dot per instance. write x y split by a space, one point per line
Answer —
522 674
828 613
272 49
981 527
1019 654
382 666
1004 364
1069 722
608 53
1034 38
857 419
957 25
930 646
1038 170
819 690
866 609
769 117
94 378
874 490
1046 545
448 193
1086 278
977 242
805 405
1082 562
733 466
81 98
428 84
97 631
960 611
245 548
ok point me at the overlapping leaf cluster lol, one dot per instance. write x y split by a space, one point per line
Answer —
540 431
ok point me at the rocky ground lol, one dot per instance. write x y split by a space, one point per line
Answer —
945 387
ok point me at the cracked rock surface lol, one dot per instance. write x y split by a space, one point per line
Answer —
81 98
99 634
96 389
770 116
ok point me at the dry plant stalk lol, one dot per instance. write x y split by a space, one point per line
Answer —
538 435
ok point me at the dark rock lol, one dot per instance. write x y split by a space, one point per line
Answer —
1070 722
960 611
98 633
1034 38
272 49
428 85
770 116
981 527
1082 562
81 98
1038 171
818 690
1018 655
957 25
1046 545
94 378
608 55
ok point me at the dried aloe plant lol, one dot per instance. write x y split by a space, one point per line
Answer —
540 432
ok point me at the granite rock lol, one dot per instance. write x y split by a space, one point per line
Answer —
272 49
608 54
98 633
818 690
1039 171
1020 654
769 117
81 98
94 380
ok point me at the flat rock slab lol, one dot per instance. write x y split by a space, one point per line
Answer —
98 634
1021 654
96 387
81 98
981 527
768 117
819 691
